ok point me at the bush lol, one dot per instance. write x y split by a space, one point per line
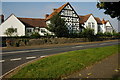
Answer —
35 35
74 35
100 34
58 27
116 35
108 34
89 34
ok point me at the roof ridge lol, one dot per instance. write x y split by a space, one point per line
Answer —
81 15
57 10
29 18
89 14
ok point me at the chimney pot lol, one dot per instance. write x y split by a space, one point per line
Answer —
2 18
46 15
54 9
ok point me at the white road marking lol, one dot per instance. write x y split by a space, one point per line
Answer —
43 56
30 57
2 60
16 59
25 51
77 46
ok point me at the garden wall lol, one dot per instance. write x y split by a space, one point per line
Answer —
29 42
55 41
13 41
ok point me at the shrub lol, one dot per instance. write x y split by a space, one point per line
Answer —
35 35
10 31
100 34
89 34
58 27
116 35
108 34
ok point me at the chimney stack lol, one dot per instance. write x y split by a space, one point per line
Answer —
103 21
54 9
46 15
2 18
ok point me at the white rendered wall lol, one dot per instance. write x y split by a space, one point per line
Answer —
101 28
44 34
48 22
110 26
92 19
12 22
104 28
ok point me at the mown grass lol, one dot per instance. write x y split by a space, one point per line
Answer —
65 63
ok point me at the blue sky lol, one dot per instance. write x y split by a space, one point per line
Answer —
39 9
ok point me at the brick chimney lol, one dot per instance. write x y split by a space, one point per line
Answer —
2 18
103 21
46 15
54 9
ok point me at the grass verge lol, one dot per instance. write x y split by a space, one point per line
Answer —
66 63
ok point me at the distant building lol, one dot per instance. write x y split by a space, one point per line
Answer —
75 23
89 21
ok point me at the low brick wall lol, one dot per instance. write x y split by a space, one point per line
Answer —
29 42
55 41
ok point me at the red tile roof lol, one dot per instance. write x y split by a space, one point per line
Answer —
98 20
85 18
33 22
104 22
56 11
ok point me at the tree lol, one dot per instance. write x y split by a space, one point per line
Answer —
108 34
10 31
89 34
58 27
111 8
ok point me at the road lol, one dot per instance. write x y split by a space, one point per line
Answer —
13 58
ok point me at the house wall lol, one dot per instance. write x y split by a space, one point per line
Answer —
92 20
44 31
71 18
29 31
109 27
12 22
101 28
47 22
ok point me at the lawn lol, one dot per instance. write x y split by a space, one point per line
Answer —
66 63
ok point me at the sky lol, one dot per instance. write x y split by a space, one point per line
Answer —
39 9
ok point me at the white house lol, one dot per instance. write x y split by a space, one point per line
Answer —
89 21
26 26
12 22
106 26
73 20
23 26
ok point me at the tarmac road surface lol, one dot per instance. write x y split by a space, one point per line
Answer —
13 58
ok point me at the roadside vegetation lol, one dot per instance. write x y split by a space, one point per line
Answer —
60 30
63 64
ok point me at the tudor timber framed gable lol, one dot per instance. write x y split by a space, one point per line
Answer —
70 16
